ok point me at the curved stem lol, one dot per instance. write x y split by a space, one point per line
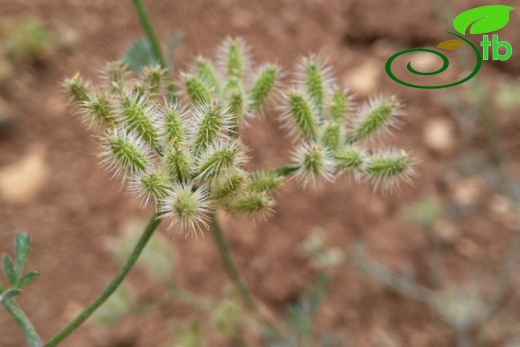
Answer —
150 33
232 272
23 322
229 265
110 289
286 170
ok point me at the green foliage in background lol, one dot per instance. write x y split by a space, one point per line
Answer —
25 39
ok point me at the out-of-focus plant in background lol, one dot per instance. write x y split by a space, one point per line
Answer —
470 307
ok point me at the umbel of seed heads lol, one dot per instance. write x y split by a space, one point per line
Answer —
186 157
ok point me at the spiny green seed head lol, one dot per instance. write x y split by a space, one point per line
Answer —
300 115
125 153
178 163
332 135
234 58
237 107
339 106
116 75
204 68
220 159
211 121
98 110
313 162
236 101
378 116
252 204
173 127
139 114
231 86
149 186
263 181
187 209
387 169
196 88
263 86
349 158
228 185
78 89
186 206
190 160
314 75
139 88
155 77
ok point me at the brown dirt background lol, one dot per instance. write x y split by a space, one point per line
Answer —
79 206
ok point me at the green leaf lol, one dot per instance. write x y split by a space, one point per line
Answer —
28 277
9 270
22 244
483 19
9 294
139 55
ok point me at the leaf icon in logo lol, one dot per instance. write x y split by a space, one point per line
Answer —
451 45
483 19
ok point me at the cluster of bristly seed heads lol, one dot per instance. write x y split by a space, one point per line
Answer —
184 153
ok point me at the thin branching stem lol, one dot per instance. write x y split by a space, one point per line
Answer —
286 170
113 285
229 264
28 331
234 275
146 23
150 32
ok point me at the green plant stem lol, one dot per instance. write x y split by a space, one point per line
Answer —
154 41
23 322
286 170
150 32
111 288
232 272
229 265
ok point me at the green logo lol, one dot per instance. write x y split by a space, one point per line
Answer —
479 21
